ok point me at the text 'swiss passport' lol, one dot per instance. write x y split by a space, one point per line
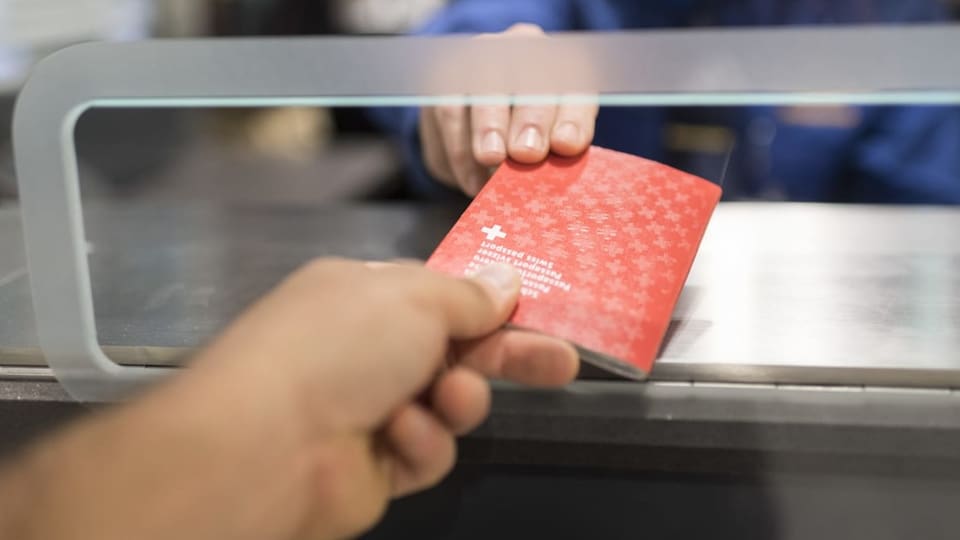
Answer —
603 241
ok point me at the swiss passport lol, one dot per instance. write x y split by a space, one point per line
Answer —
603 242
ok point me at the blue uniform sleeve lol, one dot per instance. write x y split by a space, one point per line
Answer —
467 16
908 155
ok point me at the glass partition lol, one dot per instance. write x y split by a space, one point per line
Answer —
123 288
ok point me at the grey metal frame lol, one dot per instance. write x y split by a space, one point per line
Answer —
772 66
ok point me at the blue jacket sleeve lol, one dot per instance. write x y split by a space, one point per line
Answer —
467 16
908 155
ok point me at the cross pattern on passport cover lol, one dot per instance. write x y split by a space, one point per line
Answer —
604 243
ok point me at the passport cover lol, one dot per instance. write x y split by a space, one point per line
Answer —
604 243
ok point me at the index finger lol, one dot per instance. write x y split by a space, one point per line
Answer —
489 124
573 128
523 357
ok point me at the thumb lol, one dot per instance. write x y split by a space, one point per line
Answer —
477 305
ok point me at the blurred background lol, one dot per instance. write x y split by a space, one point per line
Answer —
307 155
169 277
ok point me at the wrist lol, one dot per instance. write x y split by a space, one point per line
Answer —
17 497
177 463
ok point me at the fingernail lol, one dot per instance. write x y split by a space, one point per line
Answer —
502 277
493 144
530 138
568 132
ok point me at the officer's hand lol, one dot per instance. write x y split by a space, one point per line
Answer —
461 145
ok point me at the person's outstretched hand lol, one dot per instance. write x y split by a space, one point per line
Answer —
461 145
341 389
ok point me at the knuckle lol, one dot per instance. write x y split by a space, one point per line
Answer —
489 117
363 513
433 159
422 301
418 300
459 155
583 114
449 114
449 460
354 507
427 114
434 166
321 268
535 115
360 513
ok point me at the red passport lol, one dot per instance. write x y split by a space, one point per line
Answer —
603 242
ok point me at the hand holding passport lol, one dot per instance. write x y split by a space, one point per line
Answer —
604 242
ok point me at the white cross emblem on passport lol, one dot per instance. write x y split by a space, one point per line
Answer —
493 232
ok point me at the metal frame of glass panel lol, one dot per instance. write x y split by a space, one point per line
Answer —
861 65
